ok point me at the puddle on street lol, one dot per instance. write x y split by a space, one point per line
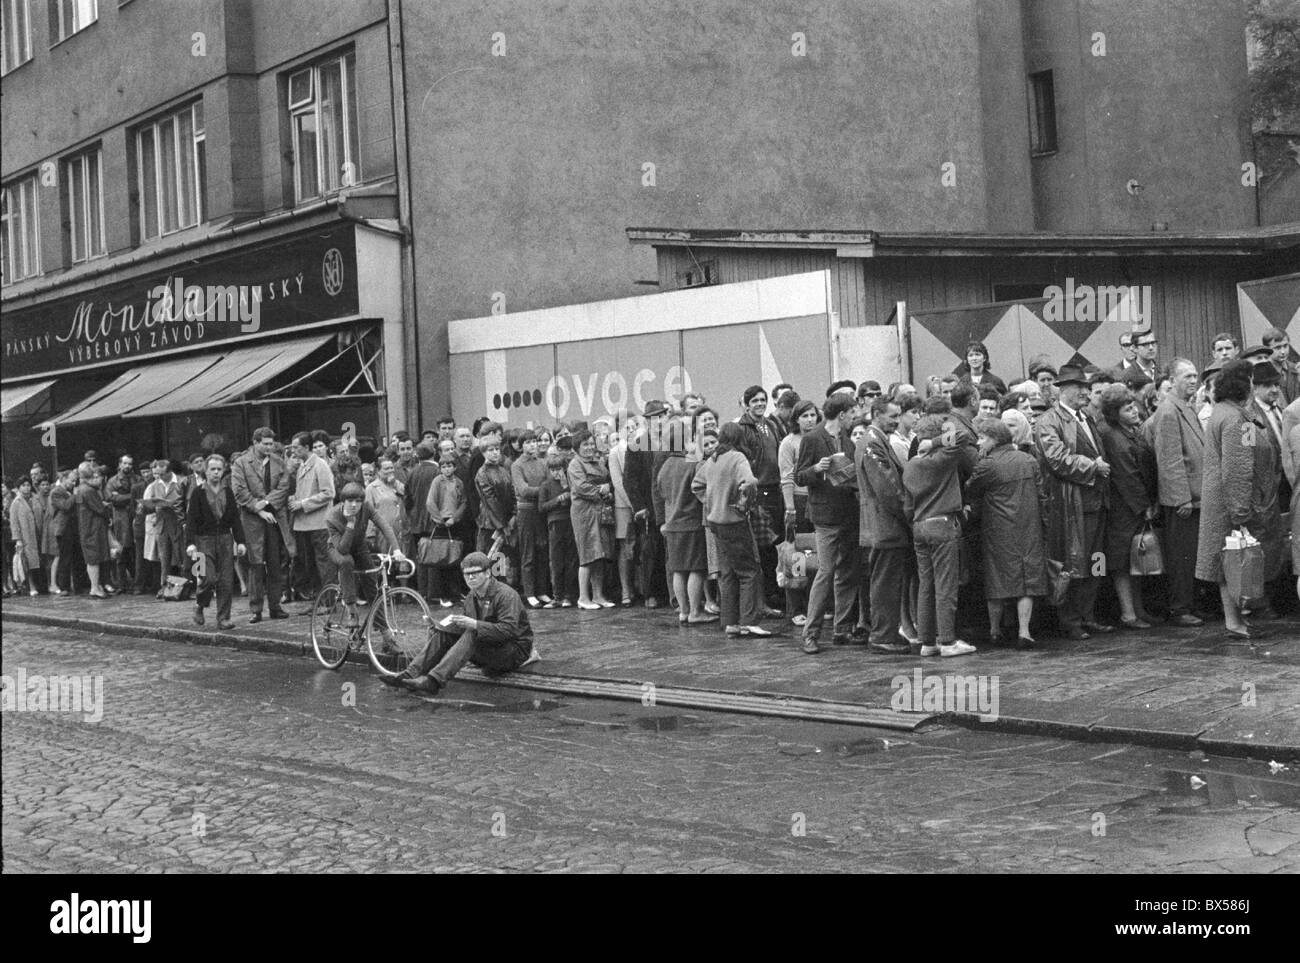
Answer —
1194 791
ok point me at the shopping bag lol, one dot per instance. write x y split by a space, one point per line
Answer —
1243 570
1058 582
440 549
796 565
177 589
1145 557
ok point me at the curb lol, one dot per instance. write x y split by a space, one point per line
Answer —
765 704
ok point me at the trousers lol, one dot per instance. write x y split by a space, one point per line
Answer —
837 566
938 567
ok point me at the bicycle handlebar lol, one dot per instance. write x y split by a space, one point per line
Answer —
387 561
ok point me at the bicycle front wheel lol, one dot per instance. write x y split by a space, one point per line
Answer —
409 622
329 629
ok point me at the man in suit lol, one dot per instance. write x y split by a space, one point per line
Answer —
833 510
1267 390
1076 475
260 481
883 530
1179 443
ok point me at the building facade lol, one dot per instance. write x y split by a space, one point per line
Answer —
200 225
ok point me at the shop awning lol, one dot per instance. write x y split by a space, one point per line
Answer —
13 401
191 383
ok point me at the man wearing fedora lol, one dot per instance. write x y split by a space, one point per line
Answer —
1076 477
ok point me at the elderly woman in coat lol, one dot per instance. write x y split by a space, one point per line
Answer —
25 527
93 518
1006 492
1133 501
59 507
1238 486
590 486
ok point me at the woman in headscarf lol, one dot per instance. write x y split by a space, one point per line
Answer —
1132 494
1022 433
1006 492
93 518
591 490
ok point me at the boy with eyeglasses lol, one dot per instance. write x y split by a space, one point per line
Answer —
493 633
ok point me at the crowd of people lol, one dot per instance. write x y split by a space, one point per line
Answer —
913 519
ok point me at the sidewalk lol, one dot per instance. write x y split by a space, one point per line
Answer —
1173 688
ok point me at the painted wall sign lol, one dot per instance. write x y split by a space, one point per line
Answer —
290 282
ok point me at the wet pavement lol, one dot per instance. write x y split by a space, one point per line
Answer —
207 759
1166 687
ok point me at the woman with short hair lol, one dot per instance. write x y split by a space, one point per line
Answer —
591 489
1132 486
92 524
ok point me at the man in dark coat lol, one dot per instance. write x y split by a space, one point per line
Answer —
763 436
117 494
882 529
833 510
216 536
640 469
1076 478
259 480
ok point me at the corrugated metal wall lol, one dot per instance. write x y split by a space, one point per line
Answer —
1192 298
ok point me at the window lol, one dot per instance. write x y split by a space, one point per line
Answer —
70 16
323 116
699 274
84 176
173 172
16 30
1042 116
20 245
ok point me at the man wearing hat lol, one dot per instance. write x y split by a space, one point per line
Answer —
640 467
493 633
1076 479
346 524
1267 390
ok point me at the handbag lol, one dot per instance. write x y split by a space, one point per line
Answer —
1243 568
114 546
177 589
1145 557
19 568
1058 582
607 512
440 550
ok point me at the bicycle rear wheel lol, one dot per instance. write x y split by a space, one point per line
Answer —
409 622
329 629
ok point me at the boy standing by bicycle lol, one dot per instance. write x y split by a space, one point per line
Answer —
346 525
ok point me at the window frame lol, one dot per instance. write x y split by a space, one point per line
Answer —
78 166
7 223
1044 136
326 182
58 29
194 158
9 10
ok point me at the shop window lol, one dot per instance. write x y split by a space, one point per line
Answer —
16 30
83 196
172 172
71 16
1042 113
20 242
323 120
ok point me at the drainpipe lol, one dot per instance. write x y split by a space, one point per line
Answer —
412 404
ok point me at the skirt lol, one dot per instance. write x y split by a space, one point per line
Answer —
686 551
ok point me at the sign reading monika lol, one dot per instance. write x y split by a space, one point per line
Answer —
285 284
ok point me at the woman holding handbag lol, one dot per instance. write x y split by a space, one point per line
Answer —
592 514
1133 502
92 523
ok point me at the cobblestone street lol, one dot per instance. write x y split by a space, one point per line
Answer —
211 760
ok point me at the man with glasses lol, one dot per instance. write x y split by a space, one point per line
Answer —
493 633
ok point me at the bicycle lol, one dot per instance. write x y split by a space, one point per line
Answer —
405 613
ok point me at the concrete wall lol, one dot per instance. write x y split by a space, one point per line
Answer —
1166 106
526 168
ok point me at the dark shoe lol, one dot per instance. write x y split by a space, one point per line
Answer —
1077 635
1024 643
860 636
1266 614
1135 623
1188 621
890 648
914 648
198 615
996 642
393 681
424 683
1252 635
1098 628
225 624
810 647
279 614
256 617
853 639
